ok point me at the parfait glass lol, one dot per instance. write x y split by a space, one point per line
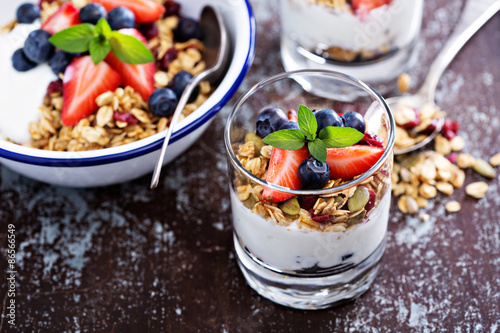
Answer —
300 260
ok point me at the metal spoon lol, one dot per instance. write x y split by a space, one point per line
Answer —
475 14
216 58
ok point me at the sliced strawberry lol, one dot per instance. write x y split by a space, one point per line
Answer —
65 17
349 162
363 7
139 77
282 171
145 11
83 82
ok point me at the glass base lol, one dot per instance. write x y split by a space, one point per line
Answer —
381 74
310 293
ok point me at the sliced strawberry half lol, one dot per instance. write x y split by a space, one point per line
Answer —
139 77
363 7
348 162
282 171
83 82
65 17
145 11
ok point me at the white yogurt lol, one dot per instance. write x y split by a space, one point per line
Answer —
21 93
290 248
314 26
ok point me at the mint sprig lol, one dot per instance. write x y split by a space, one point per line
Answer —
329 137
99 40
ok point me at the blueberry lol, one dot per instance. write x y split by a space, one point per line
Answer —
290 125
121 17
92 12
270 120
179 83
37 47
163 102
59 62
187 28
354 120
327 117
20 62
313 173
27 13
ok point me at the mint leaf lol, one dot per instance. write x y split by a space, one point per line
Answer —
99 49
340 137
317 148
289 139
307 122
129 49
102 28
75 39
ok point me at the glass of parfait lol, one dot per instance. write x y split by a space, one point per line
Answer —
372 40
309 217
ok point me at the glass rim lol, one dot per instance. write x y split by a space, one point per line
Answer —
324 191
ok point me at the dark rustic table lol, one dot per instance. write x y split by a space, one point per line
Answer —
127 259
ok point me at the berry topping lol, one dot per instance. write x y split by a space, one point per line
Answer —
372 140
37 47
270 120
187 28
121 18
327 117
352 161
83 82
307 201
354 120
290 125
282 171
55 86
125 117
66 16
149 30
163 102
59 62
363 7
92 12
179 83
313 174
172 8
20 62
169 56
450 129
145 11
140 77
27 13
371 202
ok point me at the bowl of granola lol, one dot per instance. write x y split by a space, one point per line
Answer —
90 112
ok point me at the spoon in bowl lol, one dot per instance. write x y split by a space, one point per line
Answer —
216 56
475 14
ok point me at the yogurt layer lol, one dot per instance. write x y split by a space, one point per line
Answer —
21 93
315 26
291 248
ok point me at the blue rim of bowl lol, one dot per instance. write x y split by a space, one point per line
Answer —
177 135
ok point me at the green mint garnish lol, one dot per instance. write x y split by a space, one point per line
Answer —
329 137
99 40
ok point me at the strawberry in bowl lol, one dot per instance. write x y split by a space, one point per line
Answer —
99 73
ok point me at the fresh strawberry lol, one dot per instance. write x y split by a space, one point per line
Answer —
349 162
139 77
65 17
145 11
363 7
282 171
83 82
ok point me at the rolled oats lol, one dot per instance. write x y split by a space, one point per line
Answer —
495 160
404 81
445 187
457 143
453 206
477 190
465 161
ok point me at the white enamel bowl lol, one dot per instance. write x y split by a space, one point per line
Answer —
119 164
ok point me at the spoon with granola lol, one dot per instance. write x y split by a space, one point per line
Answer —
417 117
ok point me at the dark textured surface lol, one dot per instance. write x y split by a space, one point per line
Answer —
126 259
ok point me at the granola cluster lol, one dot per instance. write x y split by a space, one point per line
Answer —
327 213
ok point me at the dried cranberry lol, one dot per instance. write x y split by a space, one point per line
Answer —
371 202
54 86
414 123
321 218
450 129
125 117
432 127
452 157
372 140
307 201
169 56
149 30
172 8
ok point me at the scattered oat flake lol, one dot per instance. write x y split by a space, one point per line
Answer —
424 217
495 160
477 190
404 81
453 206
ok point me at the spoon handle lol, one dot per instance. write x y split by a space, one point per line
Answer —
475 14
